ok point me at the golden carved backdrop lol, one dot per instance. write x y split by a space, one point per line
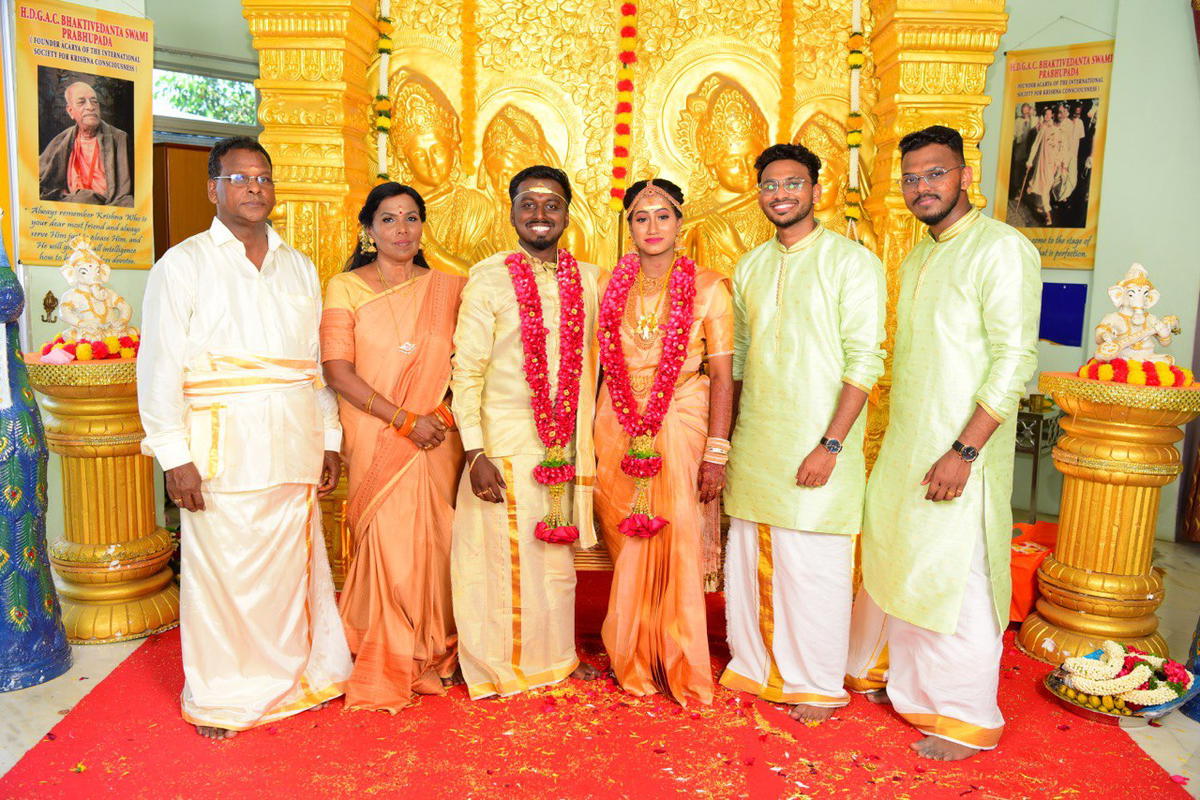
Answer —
482 88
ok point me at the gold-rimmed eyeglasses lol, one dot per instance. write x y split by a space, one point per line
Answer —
788 185
911 181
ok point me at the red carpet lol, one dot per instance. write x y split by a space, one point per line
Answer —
577 739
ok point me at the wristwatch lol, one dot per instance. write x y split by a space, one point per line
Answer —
965 451
832 445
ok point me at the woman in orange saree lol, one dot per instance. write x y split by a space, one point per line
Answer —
661 431
386 342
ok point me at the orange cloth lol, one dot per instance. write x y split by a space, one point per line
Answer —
85 168
1029 550
396 605
655 628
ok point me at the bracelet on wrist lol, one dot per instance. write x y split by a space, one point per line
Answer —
410 421
444 413
474 458
370 400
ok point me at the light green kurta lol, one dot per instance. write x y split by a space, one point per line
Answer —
806 319
966 333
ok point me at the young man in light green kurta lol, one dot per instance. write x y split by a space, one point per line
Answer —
808 323
938 519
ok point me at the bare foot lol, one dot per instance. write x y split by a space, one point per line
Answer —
456 679
803 712
879 696
938 749
585 672
211 732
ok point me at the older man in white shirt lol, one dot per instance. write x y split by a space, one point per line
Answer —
235 412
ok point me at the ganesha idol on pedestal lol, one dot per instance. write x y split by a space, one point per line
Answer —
111 559
1123 412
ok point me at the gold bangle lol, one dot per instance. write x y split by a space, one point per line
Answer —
370 400
392 421
471 465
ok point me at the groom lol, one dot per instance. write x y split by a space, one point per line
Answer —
524 387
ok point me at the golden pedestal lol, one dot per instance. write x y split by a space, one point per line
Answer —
111 563
1116 452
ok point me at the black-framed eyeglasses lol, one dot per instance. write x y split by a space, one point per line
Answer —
238 179
789 185
910 181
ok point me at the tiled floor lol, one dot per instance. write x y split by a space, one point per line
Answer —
27 715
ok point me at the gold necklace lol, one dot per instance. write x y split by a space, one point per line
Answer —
403 347
645 323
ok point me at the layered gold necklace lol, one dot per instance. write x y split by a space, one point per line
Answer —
403 347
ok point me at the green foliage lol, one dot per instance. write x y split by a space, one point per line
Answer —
215 98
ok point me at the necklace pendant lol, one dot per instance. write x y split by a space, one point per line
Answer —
646 327
407 347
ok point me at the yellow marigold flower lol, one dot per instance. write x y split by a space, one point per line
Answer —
1082 371
854 138
127 352
112 343
1164 373
1105 373
856 59
383 124
1137 375
385 44
853 212
1187 376
83 352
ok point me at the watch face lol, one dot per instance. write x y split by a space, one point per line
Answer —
833 445
969 453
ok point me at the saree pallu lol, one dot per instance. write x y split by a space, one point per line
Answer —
395 604
655 631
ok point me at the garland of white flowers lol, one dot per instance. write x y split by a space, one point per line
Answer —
383 102
1100 677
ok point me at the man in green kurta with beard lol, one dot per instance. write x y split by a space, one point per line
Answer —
938 521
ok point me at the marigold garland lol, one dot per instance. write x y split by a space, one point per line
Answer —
854 123
95 349
642 462
622 127
555 422
1137 373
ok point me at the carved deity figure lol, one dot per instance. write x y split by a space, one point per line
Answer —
1129 332
91 309
425 134
512 141
724 130
826 137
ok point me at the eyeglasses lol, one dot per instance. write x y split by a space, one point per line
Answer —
238 179
789 185
911 181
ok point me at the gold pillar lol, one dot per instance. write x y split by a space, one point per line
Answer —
1116 453
312 64
111 563
931 57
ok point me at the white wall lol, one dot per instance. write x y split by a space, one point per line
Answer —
1151 173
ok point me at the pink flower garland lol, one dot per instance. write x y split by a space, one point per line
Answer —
555 423
641 462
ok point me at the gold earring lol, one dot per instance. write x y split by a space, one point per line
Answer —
365 242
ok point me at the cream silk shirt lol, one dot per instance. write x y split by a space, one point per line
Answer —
205 300
966 334
807 319
491 397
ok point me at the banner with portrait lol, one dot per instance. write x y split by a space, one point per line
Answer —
84 148
1052 148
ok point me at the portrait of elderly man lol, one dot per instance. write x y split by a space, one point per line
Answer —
89 161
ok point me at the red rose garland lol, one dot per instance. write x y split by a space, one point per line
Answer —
555 423
642 462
